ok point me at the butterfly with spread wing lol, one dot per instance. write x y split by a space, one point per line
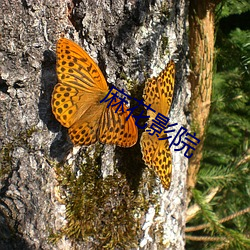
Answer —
76 101
158 92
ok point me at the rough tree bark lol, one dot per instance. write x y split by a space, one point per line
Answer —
131 38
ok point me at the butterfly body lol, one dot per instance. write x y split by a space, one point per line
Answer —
76 101
156 154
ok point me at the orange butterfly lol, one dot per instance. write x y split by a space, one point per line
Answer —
158 92
76 101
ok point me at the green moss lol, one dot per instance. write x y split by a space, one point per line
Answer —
5 160
164 10
195 128
104 211
19 140
130 83
28 133
164 45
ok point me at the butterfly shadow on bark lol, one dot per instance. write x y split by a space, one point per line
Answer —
130 159
61 145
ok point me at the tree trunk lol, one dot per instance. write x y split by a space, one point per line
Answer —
201 41
54 196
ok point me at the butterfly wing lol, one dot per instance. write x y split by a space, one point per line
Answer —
75 68
114 129
84 131
111 126
80 80
156 154
158 92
